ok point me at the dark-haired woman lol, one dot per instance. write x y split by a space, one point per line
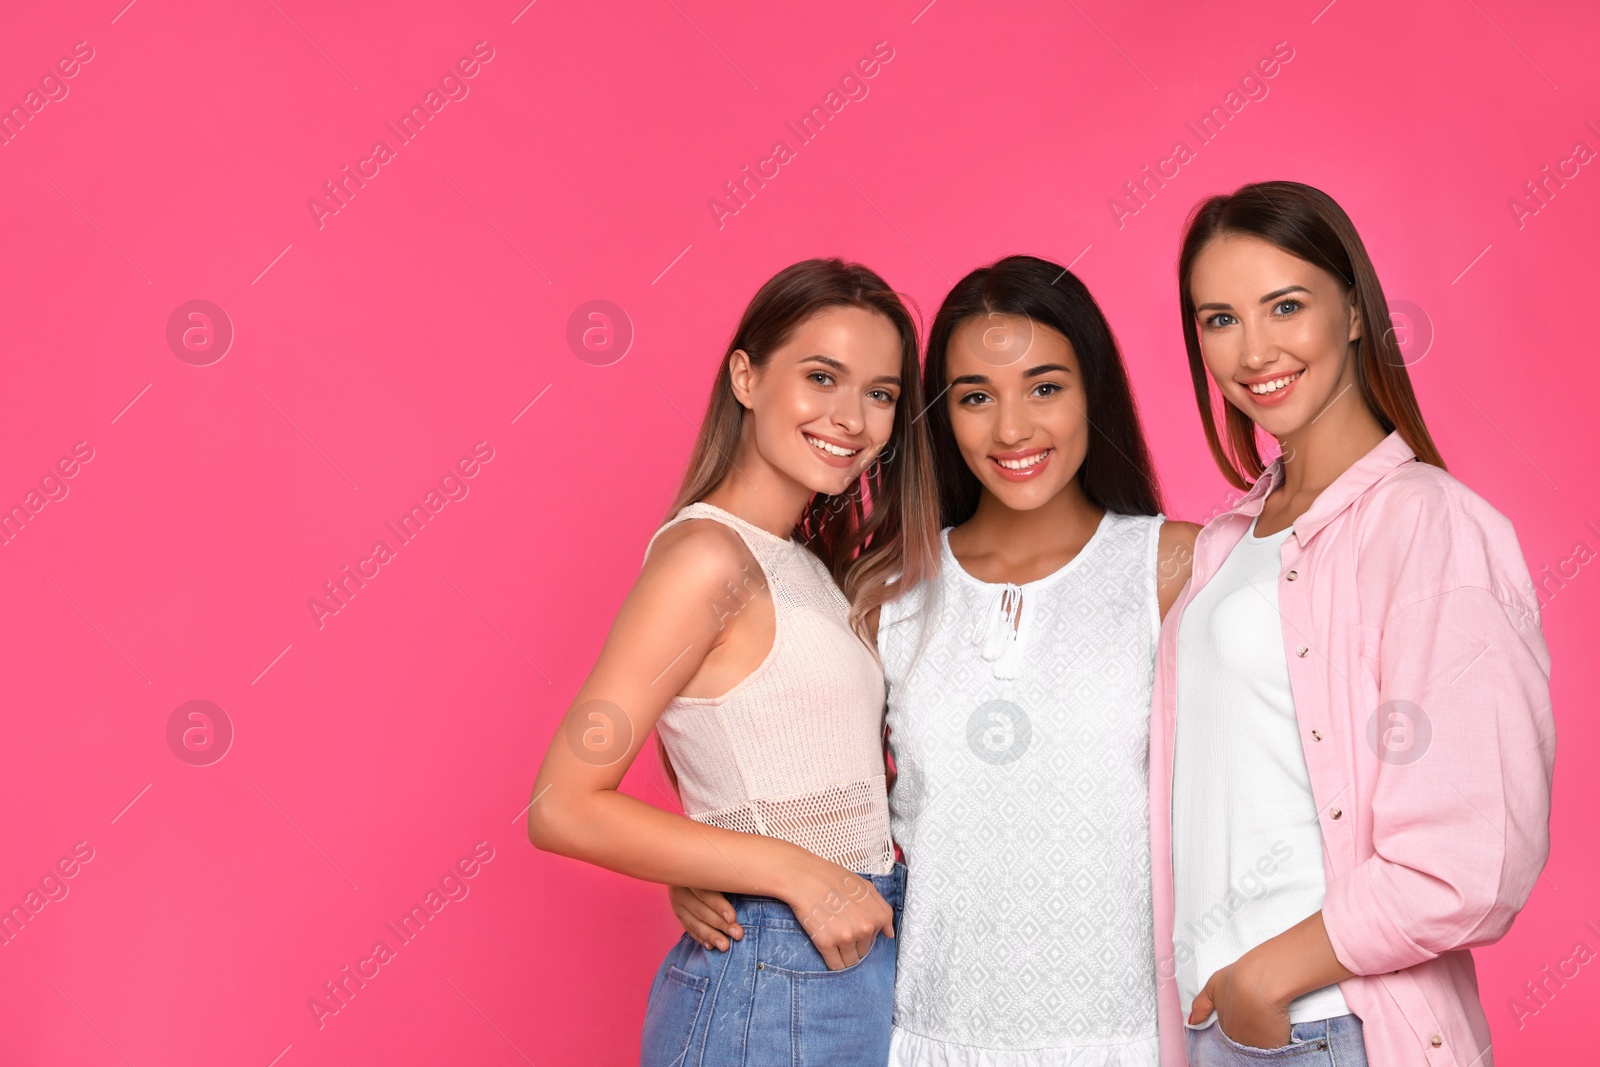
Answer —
1019 694
1351 743
742 644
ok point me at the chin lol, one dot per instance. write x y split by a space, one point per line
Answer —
831 483
1288 423
1276 422
836 488
1022 497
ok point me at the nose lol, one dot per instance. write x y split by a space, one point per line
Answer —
848 413
1012 424
1255 349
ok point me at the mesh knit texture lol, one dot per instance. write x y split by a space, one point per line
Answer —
794 750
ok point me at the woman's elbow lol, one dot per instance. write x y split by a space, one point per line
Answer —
1489 907
549 825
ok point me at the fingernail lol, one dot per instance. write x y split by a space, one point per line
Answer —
723 945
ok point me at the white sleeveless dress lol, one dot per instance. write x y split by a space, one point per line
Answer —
1019 719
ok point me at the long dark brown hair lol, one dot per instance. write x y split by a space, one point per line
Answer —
878 537
1308 224
1116 473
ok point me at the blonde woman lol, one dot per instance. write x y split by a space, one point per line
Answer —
741 645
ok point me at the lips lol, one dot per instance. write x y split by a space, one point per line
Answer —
1021 466
1270 392
833 453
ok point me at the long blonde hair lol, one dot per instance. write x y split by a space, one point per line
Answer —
879 537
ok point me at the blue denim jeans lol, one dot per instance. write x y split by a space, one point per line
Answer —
770 999
1332 1042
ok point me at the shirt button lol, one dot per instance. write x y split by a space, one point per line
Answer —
1301 651
1316 735
1435 1040
1335 812
1293 575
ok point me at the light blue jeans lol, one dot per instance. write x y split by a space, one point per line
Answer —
1332 1042
770 999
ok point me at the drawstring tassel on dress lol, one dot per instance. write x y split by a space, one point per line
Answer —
998 633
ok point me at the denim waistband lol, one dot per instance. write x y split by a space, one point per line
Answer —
1333 1026
752 910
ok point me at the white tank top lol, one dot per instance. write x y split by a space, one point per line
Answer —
1019 722
795 750
1246 837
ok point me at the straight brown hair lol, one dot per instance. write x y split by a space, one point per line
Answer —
1306 223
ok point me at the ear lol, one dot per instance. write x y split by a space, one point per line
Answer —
1355 316
742 375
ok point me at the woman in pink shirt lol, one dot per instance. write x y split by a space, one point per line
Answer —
1351 736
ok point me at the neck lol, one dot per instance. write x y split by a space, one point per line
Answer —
1066 519
758 492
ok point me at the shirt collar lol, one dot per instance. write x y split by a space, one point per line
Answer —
1361 475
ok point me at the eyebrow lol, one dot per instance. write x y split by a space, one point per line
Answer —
1275 294
1031 372
1046 368
829 361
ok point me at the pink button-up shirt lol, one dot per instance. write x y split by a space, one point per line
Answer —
1421 686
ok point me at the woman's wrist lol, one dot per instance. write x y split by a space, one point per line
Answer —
790 869
1268 973
1296 962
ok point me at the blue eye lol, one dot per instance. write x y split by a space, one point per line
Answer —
1293 305
1216 322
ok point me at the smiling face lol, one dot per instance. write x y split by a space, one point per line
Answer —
1276 332
823 405
1017 407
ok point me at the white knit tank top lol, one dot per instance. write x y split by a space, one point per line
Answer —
1019 721
795 750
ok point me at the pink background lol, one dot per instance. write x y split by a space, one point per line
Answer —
372 352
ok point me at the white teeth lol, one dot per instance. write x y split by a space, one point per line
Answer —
832 450
1263 388
1025 462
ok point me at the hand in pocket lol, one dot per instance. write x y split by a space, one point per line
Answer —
1246 1015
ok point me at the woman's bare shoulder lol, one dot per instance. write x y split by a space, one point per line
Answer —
695 555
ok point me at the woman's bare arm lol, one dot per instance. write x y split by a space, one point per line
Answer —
664 633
